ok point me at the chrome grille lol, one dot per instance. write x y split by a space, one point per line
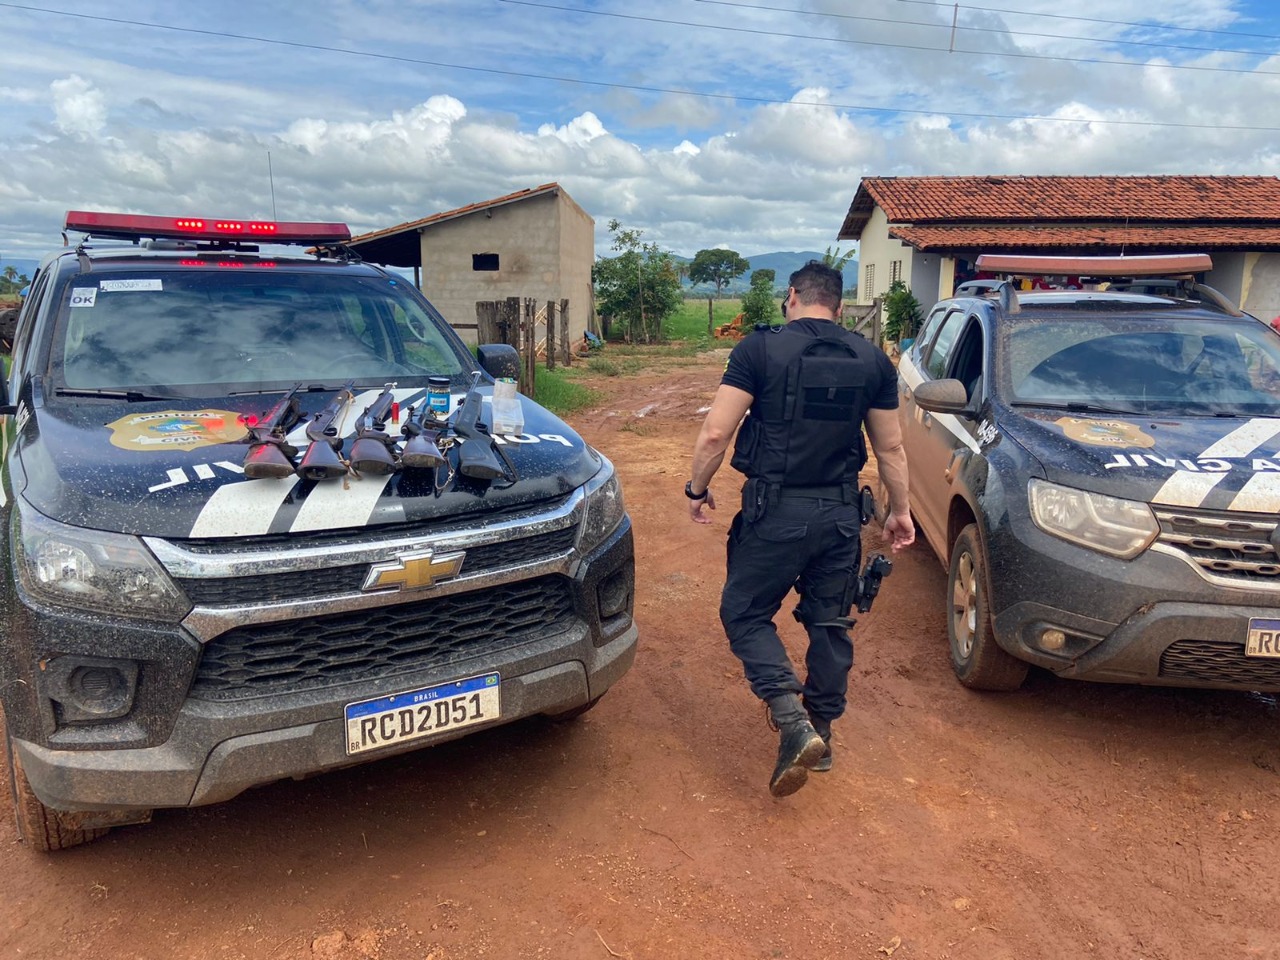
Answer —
1225 548
298 585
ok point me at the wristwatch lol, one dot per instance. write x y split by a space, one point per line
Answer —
688 491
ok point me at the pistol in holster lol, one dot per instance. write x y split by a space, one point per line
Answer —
859 593
866 505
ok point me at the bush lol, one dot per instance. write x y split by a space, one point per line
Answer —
760 305
902 313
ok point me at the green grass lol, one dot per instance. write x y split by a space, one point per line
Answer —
555 390
689 322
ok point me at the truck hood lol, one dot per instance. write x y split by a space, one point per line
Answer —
174 469
1216 463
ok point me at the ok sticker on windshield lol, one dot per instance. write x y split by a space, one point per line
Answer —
83 296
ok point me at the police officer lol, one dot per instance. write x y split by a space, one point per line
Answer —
806 389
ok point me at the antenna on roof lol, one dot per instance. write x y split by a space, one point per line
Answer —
1124 237
272 181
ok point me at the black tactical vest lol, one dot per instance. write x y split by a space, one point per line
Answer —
805 429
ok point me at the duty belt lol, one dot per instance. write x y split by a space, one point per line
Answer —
841 492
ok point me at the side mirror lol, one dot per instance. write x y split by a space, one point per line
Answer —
943 396
499 360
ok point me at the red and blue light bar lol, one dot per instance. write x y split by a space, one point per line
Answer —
128 226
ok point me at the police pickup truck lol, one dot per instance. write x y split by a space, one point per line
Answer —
259 524
1098 469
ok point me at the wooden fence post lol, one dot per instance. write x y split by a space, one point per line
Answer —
531 346
488 327
565 353
509 321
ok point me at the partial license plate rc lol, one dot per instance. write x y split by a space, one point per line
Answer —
1263 639
417 714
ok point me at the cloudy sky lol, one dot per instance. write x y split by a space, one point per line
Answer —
702 122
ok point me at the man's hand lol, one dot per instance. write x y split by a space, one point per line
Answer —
901 530
695 508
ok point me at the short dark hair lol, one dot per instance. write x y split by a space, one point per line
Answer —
817 283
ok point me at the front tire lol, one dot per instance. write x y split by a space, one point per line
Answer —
978 661
38 825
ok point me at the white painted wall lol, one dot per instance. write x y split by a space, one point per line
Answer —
1261 286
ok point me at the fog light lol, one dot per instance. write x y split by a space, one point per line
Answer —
90 688
614 593
1053 640
97 687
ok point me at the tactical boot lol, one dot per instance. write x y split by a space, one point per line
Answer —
823 727
799 745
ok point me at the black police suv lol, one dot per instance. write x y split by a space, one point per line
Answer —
1099 470
259 524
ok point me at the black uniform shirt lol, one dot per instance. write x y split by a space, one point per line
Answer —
746 366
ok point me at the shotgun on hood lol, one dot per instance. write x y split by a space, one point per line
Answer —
270 454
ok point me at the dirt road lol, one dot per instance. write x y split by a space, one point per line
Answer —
1063 821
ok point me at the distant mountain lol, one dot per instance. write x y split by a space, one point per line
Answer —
782 263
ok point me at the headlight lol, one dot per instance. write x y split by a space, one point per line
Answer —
604 508
92 570
1121 528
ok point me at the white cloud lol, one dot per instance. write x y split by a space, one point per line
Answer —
578 131
78 108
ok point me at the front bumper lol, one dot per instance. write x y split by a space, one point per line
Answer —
214 754
219 708
1151 620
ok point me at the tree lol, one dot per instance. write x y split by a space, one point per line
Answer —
640 287
716 266
760 305
837 260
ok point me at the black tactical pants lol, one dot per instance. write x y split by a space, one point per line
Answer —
813 545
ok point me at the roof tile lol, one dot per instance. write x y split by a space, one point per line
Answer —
1164 198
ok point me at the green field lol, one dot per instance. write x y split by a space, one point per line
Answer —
689 322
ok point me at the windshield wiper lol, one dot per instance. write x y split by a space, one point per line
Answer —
1076 406
132 396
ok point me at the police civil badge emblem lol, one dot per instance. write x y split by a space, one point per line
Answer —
176 429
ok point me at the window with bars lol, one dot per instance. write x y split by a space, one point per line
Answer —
869 280
895 271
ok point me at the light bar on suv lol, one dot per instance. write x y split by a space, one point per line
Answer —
128 226
1163 265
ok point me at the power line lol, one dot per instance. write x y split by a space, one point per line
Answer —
639 88
1064 16
1111 41
884 43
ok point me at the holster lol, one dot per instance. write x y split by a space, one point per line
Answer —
757 495
860 592
866 505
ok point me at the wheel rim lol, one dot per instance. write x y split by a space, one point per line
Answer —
964 606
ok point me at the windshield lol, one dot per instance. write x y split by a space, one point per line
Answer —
245 329
1169 365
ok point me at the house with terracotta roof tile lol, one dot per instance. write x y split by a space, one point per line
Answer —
928 231
532 243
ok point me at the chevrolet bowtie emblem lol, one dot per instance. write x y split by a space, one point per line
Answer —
413 571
